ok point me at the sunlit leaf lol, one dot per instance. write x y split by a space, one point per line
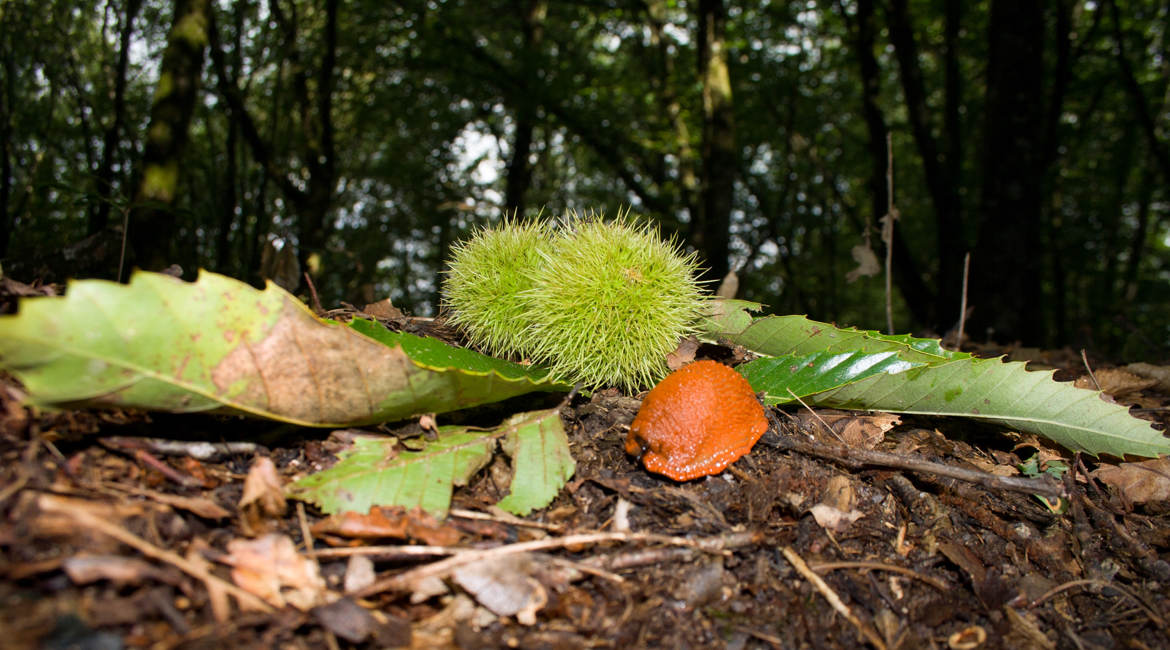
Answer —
219 344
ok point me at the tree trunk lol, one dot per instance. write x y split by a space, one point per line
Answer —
99 213
936 164
1007 264
519 176
918 296
152 218
7 97
311 198
711 232
688 177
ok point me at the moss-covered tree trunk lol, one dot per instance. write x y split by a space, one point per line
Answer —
152 218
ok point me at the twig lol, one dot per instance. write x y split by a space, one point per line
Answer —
306 532
820 567
125 234
858 457
819 418
1089 369
505 518
888 233
442 568
1150 612
81 515
963 302
831 596
391 552
317 308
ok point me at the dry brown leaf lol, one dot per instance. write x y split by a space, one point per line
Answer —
835 511
270 568
867 263
505 585
1161 374
84 569
991 467
861 431
385 310
263 497
1142 482
1115 381
683 354
390 521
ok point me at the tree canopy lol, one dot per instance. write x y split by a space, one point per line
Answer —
357 141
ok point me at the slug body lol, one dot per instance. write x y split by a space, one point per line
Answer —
696 422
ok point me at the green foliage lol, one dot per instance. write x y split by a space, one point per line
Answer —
378 471
614 96
220 345
853 369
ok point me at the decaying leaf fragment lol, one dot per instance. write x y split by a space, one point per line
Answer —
271 568
1142 482
389 522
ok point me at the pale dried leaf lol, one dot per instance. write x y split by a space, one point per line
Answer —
835 511
271 568
359 573
1159 373
867 263
1143 482
1115 381
729 286
505 585
84 569
263 490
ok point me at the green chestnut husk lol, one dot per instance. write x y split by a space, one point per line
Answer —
488 277
601 303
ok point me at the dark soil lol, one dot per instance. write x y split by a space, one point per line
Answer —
932 562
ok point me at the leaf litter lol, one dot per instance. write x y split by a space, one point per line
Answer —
740 558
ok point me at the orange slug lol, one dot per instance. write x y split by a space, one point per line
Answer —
696 422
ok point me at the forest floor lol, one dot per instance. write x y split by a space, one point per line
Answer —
111 539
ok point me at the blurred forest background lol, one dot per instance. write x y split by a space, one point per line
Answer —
357 140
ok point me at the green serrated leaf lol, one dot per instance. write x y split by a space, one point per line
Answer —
218 344
376 472
777 336
1006 394
942 382
817 372
541 460
434 354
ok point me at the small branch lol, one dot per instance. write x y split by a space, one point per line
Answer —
834 600
888 233
963 302
821 567
81 515
463 557
856 458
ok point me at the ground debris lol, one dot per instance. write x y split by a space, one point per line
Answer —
821 541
